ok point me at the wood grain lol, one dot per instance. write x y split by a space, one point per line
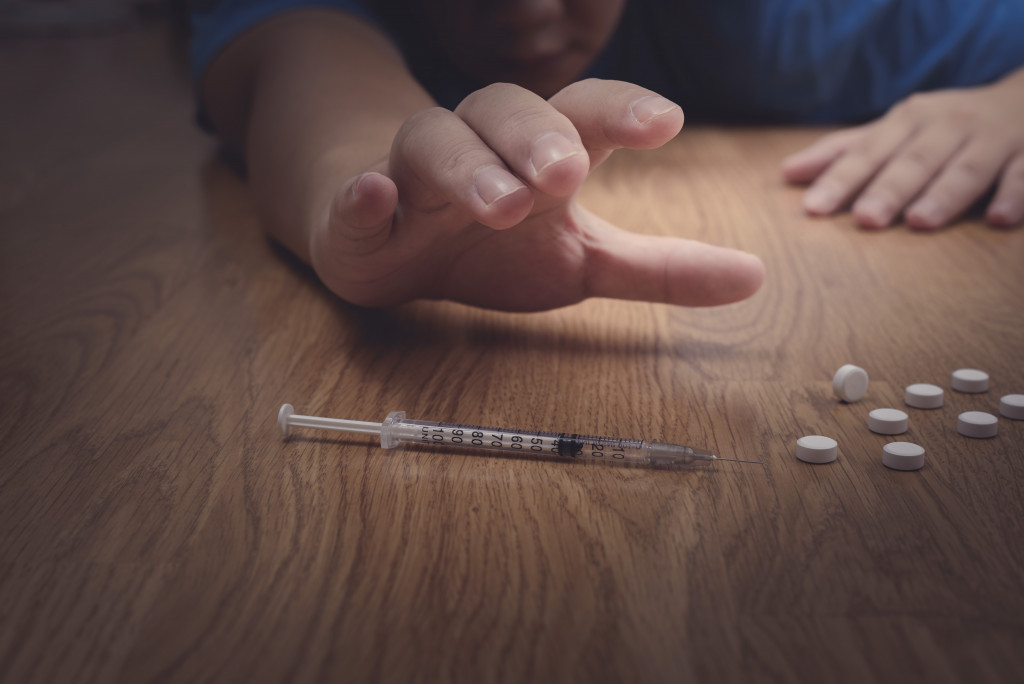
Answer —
155 527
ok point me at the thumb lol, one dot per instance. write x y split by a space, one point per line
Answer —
358 224
667 270
362 213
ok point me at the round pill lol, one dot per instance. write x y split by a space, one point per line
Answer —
1012 406
903 456
977 424
923 396
850 382
816 449
970 380
887 421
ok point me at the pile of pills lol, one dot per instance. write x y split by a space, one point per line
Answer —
850 384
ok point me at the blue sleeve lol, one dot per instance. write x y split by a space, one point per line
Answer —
215 23
814 61
835 60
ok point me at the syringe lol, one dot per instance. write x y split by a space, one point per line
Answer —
397 430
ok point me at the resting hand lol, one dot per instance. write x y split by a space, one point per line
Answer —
477 205
930 158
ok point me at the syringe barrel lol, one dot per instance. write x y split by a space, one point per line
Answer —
396 430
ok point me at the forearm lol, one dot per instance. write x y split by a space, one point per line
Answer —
313 98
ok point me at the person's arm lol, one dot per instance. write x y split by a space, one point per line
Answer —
929 159
311 98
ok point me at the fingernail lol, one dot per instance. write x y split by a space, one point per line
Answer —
820 200
925 213
353 189
1005 212
493 183
873 211
650 107
549 149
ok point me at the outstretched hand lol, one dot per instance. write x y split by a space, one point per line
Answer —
477 206
929 159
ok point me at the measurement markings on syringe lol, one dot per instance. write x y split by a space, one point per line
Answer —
472 436
565 445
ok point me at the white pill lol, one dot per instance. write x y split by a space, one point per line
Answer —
816 449
850 382
1012 406
903 456
977 424
923 396
970 380
887 421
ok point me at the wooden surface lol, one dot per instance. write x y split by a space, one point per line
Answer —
154 526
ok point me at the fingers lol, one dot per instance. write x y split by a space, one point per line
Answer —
929 159
910 170
625 265
438 161
807 164
1007 207
938 165
613 114
533 138
967 176
505 148
852 171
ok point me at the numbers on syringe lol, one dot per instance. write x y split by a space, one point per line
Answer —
465 437
597 451
518 442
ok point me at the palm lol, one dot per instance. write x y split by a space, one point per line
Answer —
537 265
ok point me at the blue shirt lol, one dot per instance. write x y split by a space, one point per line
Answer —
810 61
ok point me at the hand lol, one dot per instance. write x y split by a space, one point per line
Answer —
477 205
930 158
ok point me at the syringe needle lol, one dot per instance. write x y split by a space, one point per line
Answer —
705 455
741 460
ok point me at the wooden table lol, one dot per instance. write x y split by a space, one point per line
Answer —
155 526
